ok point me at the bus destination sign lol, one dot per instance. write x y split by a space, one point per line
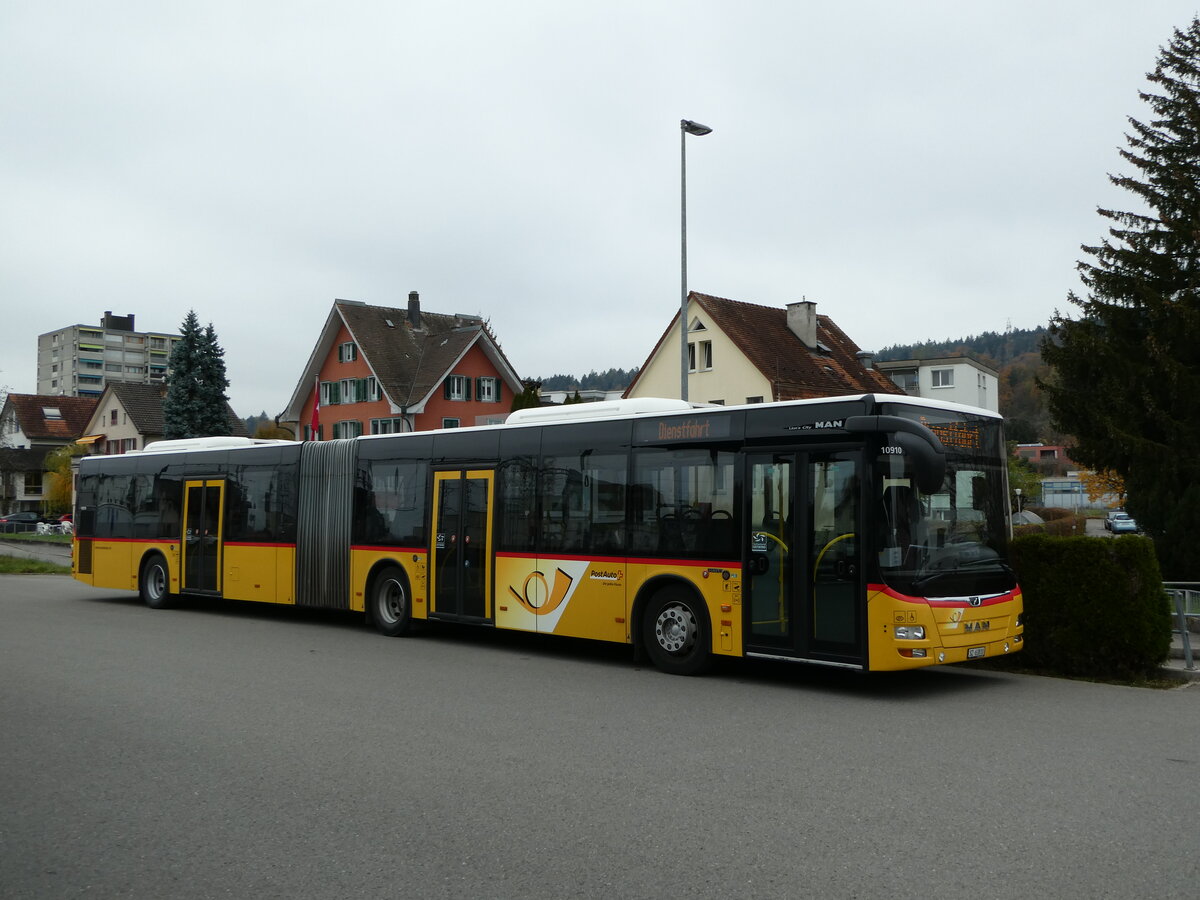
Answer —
695 428
957 435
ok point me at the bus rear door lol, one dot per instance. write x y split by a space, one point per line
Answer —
461 577
202 536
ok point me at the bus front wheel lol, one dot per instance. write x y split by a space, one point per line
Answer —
675 633
154 584
391 606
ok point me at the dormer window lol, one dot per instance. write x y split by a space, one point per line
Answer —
52 412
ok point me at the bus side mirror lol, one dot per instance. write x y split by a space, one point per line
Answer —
919 443
929 464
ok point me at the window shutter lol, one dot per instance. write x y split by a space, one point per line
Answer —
446 386
498 383
341 355
466 383
478 389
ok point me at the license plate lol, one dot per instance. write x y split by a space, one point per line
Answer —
976 652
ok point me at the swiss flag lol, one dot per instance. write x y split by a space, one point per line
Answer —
315 424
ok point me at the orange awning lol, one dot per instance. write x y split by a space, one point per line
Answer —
90 439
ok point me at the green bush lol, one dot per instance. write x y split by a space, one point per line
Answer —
1094 607
1063 522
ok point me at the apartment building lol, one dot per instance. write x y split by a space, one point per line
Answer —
958 379
81 360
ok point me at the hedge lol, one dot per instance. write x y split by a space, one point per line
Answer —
1057 521
1094 607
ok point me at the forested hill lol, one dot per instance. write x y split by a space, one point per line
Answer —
1016 355
991 348
608 380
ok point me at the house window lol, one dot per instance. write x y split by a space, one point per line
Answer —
33 482
942 377
487 390
388 426
458 387
706 355
331 393
129 445
449 423
754 399
112 417
347 352
349 390
372 388
349 429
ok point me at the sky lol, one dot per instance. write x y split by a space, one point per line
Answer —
921 170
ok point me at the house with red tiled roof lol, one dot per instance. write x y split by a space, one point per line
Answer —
745 353
129 415
31 426
382 370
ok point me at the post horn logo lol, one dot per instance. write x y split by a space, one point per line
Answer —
554 598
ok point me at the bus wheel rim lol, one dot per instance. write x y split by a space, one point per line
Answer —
391 601
157 582
675 629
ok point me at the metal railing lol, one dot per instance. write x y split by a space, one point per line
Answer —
1186 597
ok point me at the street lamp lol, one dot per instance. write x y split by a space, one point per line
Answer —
1017 491
686 127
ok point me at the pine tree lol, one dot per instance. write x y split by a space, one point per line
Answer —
195 401
529 398
1125 377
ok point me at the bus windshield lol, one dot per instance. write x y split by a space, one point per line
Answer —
952 542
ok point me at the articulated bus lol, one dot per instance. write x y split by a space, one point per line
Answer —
867 532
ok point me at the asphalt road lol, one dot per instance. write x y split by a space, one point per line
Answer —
248 751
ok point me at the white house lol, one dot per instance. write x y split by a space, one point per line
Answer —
958 379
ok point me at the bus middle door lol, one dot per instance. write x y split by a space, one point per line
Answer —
203 502
461 576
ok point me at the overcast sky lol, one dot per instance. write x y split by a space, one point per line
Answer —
921 170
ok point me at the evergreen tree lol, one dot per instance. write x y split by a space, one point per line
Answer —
1126 374
529 397
195 401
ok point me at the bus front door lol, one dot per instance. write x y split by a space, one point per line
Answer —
803 591
202 537
461 576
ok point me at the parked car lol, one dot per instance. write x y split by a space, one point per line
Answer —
1123 524
1113 514
20 521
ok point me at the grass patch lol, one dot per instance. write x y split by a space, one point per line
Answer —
1013 665
12 565
33 537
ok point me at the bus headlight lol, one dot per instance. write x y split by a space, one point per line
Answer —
910 632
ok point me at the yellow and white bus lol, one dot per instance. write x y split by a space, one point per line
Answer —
866 532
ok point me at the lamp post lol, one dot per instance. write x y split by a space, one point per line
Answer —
1017 491
686 127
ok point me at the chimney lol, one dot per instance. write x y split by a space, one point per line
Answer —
414 309
802 321
867 358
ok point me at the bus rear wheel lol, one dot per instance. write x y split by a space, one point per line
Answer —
391 606
154 584
675 633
